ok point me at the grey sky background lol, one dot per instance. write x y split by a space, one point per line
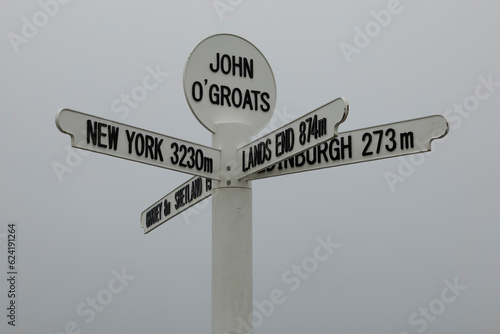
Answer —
401 245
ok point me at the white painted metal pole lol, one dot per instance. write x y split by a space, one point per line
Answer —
232 291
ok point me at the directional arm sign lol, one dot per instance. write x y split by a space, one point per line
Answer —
185 196
378 142
293 138
124 141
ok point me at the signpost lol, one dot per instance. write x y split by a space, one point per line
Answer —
230 89
293 138
185 196
124 141
228 80
374 143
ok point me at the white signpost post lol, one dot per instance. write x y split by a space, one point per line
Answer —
230 89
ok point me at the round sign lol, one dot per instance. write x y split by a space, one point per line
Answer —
228 80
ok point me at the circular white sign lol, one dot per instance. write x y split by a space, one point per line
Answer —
228 80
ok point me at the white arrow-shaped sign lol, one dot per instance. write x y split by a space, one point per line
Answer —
378 142
182 198
124 141
293 138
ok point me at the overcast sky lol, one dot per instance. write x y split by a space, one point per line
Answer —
416 238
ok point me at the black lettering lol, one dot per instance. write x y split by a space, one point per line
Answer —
91 132
175 158
322 127
283 164
183 149
214 98
100 134
301 162
290 161
256 98
199 159
302 133
366 136
191 161
181 196
244 167
340 151
237 65
257 154
200 91
247 100
311 160
225 60
130 137
379 141
113 137
262 153
217 58
178 199
312 128
96 133
347 146
188 193
264 98
290 139
279 144
406 140
285 141
154 215
149 146
251 161
197 188
392 135
268 149
208 165
236 102
166 208
322 148
139 144
225 92
248 68
331 150
240 66
158 149
194 191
